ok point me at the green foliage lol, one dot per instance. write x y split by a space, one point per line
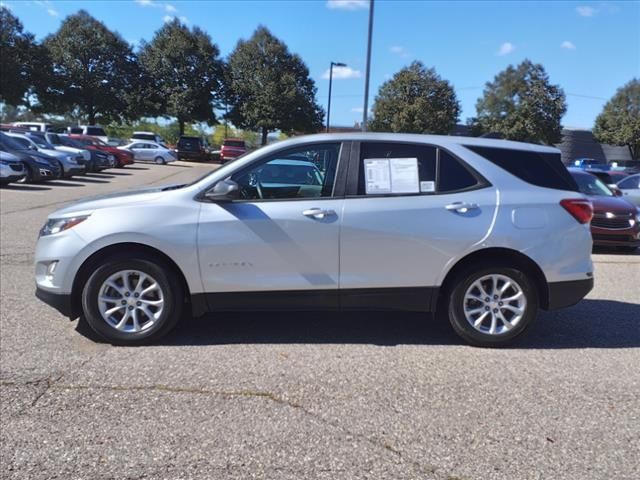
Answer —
170 132
415 100
94 72
21 59
619 122
522 105
184 73
270 89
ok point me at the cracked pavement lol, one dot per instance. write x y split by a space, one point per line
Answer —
305 394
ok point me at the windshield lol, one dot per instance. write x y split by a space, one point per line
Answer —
41 142
289 175
590 185
9 143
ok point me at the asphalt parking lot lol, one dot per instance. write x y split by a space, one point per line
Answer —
309 395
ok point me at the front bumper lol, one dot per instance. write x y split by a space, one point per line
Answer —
566 294
628 237
60 301
11 178
76 170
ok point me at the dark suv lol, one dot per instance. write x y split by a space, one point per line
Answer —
192 148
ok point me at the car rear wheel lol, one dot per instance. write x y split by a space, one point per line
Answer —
159 160
491 306
132 301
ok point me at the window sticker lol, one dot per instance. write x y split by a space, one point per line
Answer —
377 176
429 186
404 175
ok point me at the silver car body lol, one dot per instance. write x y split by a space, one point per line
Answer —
369 243
150 152
51 138
11 168
67 160
630 188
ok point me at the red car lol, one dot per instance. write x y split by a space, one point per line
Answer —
232 148
122 156
615 222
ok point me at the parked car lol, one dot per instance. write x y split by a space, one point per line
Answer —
123 157
192 148
38 166
99 160
147 136
54 139
68 163
11 169
232 148
630 188
150 152
487 230
34 126
616 222
609 178
90 130
585 163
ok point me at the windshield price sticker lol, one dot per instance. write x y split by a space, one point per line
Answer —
391 175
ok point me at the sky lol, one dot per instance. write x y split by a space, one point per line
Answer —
589 48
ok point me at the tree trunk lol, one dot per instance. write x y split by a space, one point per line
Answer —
91 116
181 124
265 132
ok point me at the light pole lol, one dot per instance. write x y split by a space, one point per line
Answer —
333 64
367 73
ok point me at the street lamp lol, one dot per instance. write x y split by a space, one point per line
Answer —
333 64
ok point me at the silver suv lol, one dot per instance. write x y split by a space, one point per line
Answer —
488 231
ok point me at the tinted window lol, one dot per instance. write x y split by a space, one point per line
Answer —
452 175
97 131
590 185
9 143
233 143
304 172
541 169
75 130
629 183
22 142
425 155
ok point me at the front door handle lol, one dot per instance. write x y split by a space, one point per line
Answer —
318 213
462 207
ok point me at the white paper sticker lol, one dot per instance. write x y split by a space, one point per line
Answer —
404 175
377 176
429 186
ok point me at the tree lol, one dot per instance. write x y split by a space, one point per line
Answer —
523 105
270 88
184 71
415 100
619 122
20 56
94 71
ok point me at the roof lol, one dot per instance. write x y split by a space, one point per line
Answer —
442 140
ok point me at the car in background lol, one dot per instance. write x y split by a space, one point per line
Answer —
150 152
192 148
54 139
34 126
232 148
616 222
98 161
610 178
147 136
90 130
11 169
68 163
123 157
585 163
39 167
630 188
293 175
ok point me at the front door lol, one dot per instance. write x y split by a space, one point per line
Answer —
278 245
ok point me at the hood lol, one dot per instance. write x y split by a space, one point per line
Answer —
33 155
127 198
603 204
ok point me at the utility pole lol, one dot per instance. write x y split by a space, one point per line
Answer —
333 64
367 72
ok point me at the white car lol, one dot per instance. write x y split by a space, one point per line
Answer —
487 231
91 130
146 137
630 188
150 152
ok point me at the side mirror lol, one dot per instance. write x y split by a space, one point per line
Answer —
224 190
617 192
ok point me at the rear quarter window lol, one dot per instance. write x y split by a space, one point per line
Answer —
537 168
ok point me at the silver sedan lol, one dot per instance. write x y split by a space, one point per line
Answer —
150 152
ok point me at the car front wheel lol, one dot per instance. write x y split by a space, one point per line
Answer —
490 307
132 301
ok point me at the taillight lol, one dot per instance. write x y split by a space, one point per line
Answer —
579 208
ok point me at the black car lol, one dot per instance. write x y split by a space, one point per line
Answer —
39 167
192 148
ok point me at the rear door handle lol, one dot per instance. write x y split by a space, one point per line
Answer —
462 207
318 213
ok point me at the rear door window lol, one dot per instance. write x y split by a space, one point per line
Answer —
96 131
537 168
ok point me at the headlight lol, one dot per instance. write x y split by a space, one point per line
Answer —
57 225
70 158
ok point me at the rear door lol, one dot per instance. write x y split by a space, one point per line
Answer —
410 209
277 246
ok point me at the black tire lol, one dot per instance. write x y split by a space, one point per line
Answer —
172 291
627 249
28 178
456 305
159 160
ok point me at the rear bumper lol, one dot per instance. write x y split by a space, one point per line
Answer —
565 294
61 302
197 156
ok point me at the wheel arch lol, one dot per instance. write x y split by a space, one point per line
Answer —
503 257
135 250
